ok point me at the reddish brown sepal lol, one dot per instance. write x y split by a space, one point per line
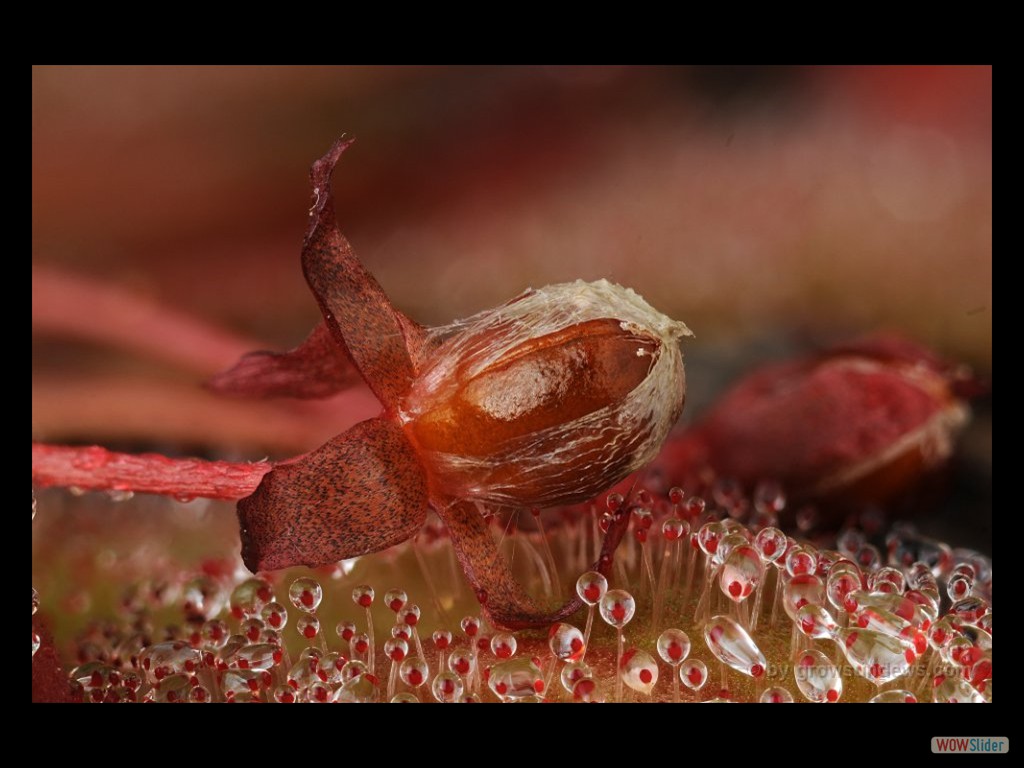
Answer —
317 368
361 492
381 341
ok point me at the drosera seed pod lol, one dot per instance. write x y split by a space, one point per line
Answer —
549 398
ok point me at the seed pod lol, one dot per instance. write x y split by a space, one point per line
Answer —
548 399
861 423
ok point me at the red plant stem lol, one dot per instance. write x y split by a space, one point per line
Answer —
97 469
72 305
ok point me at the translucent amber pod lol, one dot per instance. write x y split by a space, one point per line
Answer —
548 399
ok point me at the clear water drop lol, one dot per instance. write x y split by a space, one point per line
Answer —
396 649
741 572
801 590
447 687
515 679
951 689
442 639
731 645
874 655
308 626
770 543
565 642
587 691
404 698
249 597
572 673
814 621
673 646
413 671
362 595
639 671
395 599
817 678
617 607
461 662
305 594
503 645
776 695
591 587
275 616
693 673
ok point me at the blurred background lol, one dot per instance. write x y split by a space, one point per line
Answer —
769 208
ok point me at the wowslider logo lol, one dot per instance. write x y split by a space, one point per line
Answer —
970 744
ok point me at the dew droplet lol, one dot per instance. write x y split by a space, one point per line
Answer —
404 698
814 621
410 615
169 658
591 587
801 590
673 646
731 645
800 561
252 629
305 594
572 673
887 579
257 656
968 610
362 595
442 639
332 668
566 642
951 689
741 572
308 626
285 694
693 673
843 578
395 599
361 689
503 645
461 662
275 616
874 655
776 695
35 642
345 630
214 634
639 671
817 678
360 644
249 597
515 679
470 625
771 543
396 649
173 689
413 671
708 537
447 687
617 607
587 691
674 529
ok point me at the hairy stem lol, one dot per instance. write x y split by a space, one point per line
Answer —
97 469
